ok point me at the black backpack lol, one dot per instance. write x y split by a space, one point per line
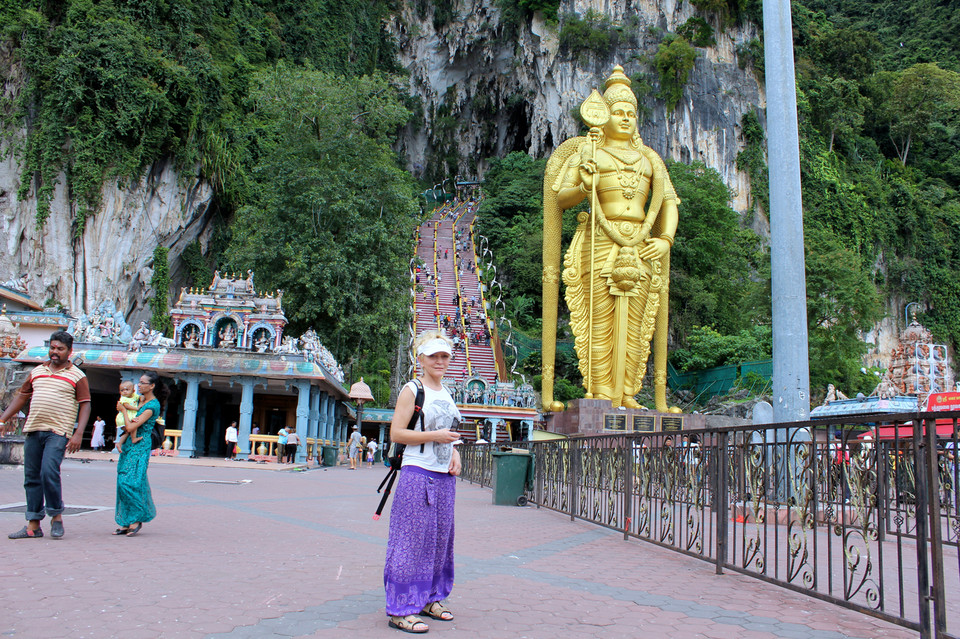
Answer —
156 436
396 459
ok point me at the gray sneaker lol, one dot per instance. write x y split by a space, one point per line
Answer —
56 529
26 533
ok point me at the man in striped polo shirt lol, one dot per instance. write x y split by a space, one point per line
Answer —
57 392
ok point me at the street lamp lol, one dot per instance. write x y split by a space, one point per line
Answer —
360 393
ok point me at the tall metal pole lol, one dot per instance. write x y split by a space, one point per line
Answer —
791 371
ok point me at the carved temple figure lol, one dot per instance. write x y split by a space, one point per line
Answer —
140 338
192 338
617 267
228 337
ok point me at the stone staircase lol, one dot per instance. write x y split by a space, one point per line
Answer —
448 283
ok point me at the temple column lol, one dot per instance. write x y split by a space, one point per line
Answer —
201 444
247 385
324 415
189 425
314 427
303 414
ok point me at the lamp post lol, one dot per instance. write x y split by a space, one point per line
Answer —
360 393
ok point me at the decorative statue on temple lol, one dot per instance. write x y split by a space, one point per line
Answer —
140 338
617 267
228 336
192 338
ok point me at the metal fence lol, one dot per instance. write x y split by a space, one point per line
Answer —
860 512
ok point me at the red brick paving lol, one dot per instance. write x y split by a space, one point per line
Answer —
298 554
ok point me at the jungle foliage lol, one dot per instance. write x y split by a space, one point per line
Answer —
879 114
331 214
113 86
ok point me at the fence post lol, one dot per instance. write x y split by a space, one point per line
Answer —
923 543
720 497
936 545
628 485
571 476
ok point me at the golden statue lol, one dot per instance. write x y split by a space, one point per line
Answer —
617 268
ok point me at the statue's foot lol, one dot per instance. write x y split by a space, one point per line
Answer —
555 407
675 410
630 402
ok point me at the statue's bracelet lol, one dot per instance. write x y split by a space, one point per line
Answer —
667 238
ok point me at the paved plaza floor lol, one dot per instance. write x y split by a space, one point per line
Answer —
259 550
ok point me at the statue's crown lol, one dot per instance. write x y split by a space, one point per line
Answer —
618 88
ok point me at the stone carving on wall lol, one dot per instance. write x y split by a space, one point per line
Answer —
105 325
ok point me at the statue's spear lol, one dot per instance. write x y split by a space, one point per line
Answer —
594 113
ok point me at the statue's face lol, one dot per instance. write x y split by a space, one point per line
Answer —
622 123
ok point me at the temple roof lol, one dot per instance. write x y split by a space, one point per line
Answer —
212 362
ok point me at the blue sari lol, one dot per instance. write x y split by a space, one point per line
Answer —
134 501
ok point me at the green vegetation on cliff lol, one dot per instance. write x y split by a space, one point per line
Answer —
112 86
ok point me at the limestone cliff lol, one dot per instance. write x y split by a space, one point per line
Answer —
485 93
112 259
485 90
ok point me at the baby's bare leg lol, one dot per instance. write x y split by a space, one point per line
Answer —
135 436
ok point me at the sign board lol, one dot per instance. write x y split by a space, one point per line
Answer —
644 423
615 422
943 401
671 423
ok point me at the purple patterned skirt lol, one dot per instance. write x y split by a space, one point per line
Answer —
419 567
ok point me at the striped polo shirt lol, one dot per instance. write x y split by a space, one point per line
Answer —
55 398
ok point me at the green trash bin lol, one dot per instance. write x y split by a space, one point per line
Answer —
510 469
329 455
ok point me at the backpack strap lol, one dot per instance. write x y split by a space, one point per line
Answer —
418 408
411 425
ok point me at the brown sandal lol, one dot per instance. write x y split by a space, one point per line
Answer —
438 611
409 623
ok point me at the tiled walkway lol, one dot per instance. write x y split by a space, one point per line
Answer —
297 553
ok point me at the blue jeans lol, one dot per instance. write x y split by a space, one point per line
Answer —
42 453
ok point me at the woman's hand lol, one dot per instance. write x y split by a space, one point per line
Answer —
445 436
455 464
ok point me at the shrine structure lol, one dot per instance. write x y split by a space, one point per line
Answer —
228 362
230 313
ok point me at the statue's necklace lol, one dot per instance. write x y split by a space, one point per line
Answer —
629 179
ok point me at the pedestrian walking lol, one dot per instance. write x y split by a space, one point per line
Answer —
97 440
419 570
59 396
354 449
230 437
135 505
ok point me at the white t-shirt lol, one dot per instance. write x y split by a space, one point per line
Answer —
439 411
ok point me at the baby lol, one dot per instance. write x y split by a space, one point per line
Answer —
130 401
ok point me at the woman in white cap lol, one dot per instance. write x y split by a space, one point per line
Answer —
419 568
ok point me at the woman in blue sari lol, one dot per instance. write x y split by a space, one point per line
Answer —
134 502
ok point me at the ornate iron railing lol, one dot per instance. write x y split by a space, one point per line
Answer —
859 512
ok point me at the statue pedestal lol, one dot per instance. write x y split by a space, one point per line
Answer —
598 417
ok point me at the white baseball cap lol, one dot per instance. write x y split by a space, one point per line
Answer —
436 345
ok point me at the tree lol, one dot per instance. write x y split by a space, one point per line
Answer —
332 217
160 283
842 303
838 107
918 97
674 60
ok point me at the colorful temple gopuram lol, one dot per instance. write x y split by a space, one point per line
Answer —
228 362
